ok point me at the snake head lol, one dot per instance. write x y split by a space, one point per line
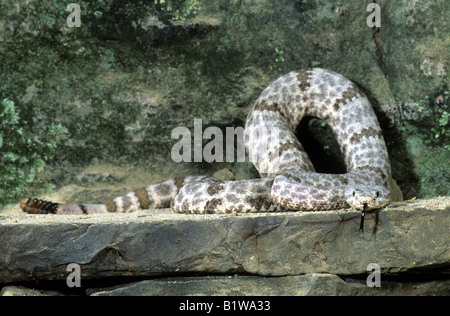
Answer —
367 197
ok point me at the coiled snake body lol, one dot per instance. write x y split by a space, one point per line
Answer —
288 177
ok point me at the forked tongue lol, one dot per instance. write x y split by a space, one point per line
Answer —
363 213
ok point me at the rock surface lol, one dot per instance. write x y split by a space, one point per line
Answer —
23 291
302 285
409 237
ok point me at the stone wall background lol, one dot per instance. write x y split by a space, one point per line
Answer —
135 70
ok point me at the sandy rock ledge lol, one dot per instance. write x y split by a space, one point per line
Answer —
320 253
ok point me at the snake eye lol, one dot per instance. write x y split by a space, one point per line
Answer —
377 193
354 193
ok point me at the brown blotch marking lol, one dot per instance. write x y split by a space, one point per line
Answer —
111 207
336 105
144 199
211 205
352 92
238 208
215 188
263 106
304 77
259 202
366 132
290 145
268 204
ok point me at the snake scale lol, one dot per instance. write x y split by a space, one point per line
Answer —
289 181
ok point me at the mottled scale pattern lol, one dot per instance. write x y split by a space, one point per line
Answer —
227 197
289 181
158 195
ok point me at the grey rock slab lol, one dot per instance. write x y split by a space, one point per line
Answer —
24 291
409 235
302 285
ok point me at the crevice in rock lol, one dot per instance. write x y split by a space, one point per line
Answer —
376 34
58 287
413 276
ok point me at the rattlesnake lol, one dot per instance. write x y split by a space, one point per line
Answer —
289 180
